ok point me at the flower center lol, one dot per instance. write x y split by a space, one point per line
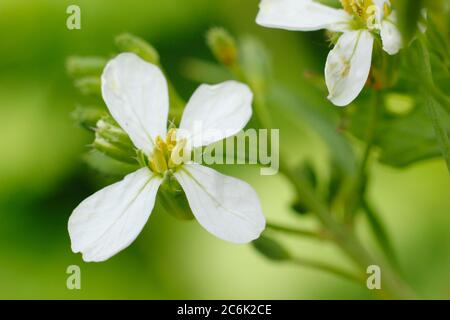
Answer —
168 154
366 12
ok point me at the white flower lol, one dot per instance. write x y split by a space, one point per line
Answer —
136 94
348 64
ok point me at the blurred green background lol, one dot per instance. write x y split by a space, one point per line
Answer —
43 176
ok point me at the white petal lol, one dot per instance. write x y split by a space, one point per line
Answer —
227 207
136 94
301 15
217 112
348 66
111 219
390 35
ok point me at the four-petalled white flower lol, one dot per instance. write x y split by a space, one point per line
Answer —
136 95
348 64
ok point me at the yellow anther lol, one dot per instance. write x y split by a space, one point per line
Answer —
364 11
347 5
157 161
168 153
357 7
387 9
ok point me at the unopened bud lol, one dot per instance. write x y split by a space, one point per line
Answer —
271 249
85 66
113 151
87 117
222 45
129 43
108 130
89 85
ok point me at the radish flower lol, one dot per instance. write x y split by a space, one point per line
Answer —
136 95
348 64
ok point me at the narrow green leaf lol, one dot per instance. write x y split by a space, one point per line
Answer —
409 13
379 231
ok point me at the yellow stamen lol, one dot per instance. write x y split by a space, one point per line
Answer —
387 9
358 8
157 161
168 153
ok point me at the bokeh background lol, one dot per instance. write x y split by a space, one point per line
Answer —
43 175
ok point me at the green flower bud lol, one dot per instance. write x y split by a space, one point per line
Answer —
271 249
87 117
129 43
85 66
222 45
110 131
113 151
111 140
89 85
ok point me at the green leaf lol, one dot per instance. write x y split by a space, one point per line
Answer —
319 117
380 231
408 139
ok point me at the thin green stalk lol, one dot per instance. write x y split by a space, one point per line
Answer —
438 95
303 262
361 179
297 231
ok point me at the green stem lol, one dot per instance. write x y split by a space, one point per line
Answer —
361 178
297 231
438 95
303 262
370 134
